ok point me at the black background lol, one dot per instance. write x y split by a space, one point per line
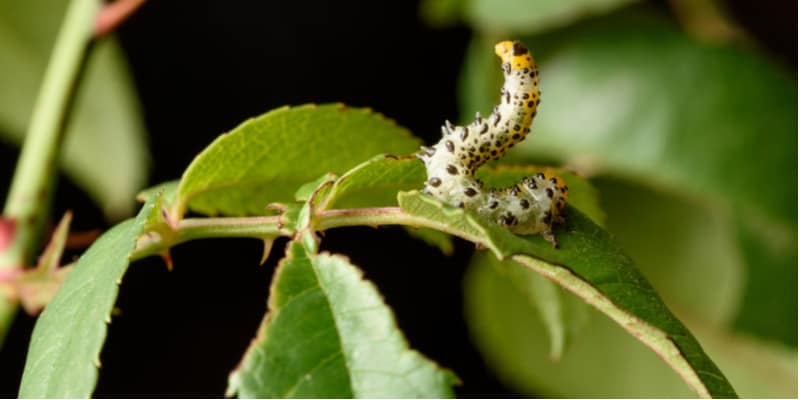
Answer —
203 67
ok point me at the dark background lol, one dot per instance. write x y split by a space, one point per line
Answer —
203 67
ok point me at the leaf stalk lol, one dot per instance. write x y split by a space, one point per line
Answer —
271 227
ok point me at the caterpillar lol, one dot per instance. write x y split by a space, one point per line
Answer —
530 206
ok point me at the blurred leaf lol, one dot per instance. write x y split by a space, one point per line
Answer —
606 361
758 368
590 265
684 249
510 333
630 95
518 16
564 316
768 305
481 78
266 159
105 151
64 352
329 334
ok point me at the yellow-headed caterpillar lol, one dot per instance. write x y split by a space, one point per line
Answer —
532 205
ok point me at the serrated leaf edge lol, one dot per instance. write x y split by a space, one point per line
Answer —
182 202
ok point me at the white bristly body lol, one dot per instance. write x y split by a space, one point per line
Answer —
530 206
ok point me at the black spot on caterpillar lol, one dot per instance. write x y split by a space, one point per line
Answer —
530 206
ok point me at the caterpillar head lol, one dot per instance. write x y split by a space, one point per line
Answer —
515 54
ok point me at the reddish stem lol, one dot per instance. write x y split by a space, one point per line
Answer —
112 15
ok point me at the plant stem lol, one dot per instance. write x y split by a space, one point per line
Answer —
384 216
32 185
268 227
207 228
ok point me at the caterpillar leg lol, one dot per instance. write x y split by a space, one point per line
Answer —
550 237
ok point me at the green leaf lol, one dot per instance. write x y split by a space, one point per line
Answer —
375 183
105 150
694 123
593 267
265 159
519 16
329 334
64 352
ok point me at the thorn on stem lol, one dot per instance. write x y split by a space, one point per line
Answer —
267 248
167 257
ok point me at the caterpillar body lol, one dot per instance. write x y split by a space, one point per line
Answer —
532 205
